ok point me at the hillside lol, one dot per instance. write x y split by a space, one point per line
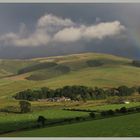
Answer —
10 67
89 69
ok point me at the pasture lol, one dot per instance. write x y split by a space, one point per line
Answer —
52 112
13 121
122 126
107 106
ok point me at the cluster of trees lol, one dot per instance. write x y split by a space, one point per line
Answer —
76 93
111 112
72 92
63 68
37 67
42 121
94 63
122 110
92 114
33 95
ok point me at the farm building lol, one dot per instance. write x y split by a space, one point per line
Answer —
55 99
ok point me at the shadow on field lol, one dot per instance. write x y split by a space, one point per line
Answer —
14 125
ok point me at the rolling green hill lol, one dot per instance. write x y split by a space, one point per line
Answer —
11 67
103 71
87 69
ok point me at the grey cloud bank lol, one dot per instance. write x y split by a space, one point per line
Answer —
38 30
50 28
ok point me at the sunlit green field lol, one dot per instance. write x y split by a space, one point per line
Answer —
109 106
11 121
122 126
51 111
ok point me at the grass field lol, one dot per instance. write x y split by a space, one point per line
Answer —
51 111
122 126
114 72
107 107
15 121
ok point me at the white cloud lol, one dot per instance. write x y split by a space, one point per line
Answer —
68 35
35 39
51 20
98 31
8 38
50 28
103 30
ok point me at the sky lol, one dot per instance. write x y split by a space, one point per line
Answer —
40 30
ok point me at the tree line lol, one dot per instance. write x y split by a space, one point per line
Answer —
76 92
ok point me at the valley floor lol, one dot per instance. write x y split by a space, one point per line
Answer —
24 125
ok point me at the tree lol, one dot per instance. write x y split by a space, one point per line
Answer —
78 118
125 91
94 63
103 113
92 115
41 120
123 110
110 112
25 106
138 109
131 109
117 110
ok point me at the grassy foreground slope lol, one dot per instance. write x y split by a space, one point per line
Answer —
122 126
114 72
10 122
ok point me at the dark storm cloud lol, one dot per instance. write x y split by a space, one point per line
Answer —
13 15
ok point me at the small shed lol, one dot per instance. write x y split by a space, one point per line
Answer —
126 102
